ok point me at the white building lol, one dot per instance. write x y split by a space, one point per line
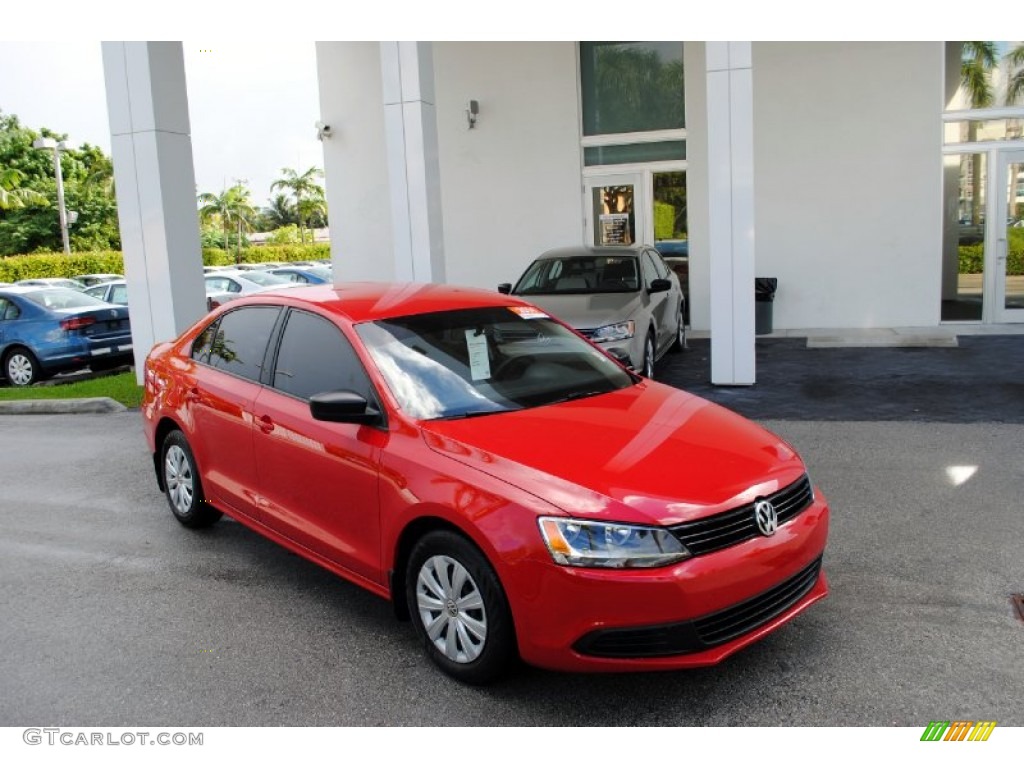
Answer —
835 167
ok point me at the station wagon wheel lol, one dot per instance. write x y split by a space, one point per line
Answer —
182 485
21 367
459 609
648 366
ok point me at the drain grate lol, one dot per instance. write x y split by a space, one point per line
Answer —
1018 605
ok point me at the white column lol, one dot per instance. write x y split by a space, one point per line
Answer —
730 111
156 189
414 173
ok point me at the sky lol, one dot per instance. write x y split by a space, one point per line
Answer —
252 106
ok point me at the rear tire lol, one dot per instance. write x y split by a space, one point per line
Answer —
458 608
21 367
182 485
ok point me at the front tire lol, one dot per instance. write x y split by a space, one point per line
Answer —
182 485
21 368
458 608
679 344
648 363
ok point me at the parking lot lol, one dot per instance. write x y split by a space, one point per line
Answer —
114 614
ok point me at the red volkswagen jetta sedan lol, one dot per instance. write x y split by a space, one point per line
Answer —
512 489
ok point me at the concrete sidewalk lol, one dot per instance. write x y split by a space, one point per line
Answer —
981 379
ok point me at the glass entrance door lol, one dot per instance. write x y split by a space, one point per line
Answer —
1007 262
616 209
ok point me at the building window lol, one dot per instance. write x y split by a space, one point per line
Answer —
631 87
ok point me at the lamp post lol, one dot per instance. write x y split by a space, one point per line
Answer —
58 147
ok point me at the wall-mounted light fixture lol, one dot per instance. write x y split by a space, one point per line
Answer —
472 110
323 130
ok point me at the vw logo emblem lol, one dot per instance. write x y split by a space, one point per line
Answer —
766 517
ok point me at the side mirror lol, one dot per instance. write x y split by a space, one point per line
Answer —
659 286
505 288
344 407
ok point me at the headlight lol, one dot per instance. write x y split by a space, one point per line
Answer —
609 545
614 332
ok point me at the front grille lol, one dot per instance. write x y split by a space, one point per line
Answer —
706 632
749 615
728 528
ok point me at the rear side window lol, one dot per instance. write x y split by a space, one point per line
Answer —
240 341
204 342
316 357
8 310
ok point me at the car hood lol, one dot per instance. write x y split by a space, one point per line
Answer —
648 453
589 310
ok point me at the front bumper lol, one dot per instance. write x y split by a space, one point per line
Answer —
692 614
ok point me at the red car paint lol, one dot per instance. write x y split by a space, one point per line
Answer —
342 495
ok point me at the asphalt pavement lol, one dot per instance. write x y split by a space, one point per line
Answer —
113 614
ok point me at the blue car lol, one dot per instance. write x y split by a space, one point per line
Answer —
45 331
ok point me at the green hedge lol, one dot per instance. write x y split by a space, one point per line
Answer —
58 265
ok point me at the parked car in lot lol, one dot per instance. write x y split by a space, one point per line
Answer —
46 330
114 292
228 285
622 298
314 275
52 282
89 280
511 489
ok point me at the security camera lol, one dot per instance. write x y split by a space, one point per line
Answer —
323 131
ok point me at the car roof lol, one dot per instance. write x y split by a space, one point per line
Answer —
592 250
361 302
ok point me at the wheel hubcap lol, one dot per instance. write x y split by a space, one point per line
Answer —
19 370
178 478
451 609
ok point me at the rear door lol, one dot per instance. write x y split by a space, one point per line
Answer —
222 385
318 479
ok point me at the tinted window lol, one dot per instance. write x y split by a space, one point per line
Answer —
659 265
8 310
241 341
650 273
204 342
315 357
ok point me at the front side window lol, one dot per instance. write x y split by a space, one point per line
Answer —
316 357
474 362
240 341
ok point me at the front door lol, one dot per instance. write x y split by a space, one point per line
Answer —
616 209
1006 259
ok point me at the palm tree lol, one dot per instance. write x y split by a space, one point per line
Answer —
13 196
1015 88
310 210
976 63
280 212
301 186
232 208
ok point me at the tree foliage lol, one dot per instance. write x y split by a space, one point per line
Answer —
310 202
29 219
232 210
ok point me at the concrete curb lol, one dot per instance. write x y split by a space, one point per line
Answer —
73 405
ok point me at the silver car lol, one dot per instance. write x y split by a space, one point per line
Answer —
622 298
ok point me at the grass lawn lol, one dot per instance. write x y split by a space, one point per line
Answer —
120 387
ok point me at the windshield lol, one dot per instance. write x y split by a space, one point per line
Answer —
579 274
265 278
63 298
471 362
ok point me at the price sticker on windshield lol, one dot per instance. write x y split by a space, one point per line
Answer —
479 363
529 313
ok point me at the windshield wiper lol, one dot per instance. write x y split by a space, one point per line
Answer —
579 395
473 414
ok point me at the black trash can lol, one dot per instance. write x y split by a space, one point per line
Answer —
764 300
